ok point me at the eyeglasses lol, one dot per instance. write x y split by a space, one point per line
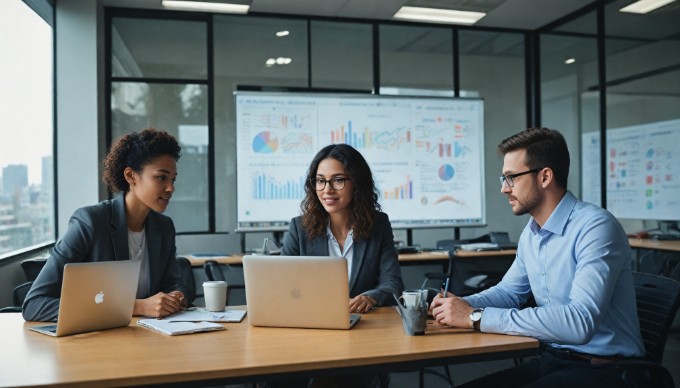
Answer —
336 183
510 179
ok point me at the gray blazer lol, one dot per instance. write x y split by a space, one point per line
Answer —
375 264
100 233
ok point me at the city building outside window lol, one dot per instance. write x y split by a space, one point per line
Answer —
27 208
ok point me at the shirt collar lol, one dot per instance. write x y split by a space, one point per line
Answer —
557 221
329 232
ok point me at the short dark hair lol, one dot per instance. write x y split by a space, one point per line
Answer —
136 150
544 147
364 207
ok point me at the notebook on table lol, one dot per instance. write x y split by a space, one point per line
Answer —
298 291
95 296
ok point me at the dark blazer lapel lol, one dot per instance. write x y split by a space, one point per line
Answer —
318 247
119 235
357 260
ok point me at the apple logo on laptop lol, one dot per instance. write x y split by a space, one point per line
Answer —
99 298
295 293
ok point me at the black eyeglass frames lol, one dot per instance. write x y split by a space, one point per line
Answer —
510 179
336 183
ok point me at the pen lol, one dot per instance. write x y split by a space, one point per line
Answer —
446 287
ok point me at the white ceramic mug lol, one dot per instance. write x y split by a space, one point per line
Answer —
413 298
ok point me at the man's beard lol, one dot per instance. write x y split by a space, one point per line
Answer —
528 204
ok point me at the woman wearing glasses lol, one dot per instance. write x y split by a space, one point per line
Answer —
341 217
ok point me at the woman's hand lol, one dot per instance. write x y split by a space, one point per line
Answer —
361 304
160 305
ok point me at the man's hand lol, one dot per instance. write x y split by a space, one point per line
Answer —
160 305
361 304
452 311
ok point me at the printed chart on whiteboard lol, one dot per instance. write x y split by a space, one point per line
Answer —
426 154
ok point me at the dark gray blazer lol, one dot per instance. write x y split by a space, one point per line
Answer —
100 233
375 264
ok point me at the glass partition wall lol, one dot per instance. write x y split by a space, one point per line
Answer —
179 71
159 78
635 59
643 100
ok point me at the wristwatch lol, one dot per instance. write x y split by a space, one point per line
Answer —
476 318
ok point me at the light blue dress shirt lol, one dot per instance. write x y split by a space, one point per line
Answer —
578 267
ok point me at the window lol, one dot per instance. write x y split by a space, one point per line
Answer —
26 128
159 70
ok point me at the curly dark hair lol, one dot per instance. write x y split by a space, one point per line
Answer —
136 150
544 147
364 207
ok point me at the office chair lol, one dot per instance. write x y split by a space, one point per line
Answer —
657 303
187 275
468 275
32 267
18 295
213 271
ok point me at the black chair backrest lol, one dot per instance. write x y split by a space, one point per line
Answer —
32 267
19 293
187 274
213 271
657 303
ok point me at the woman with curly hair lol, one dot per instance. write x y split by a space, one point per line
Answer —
143 167
341 217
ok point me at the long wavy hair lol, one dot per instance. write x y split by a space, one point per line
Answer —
364 207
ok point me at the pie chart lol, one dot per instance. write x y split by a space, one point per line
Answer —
445 172
265 143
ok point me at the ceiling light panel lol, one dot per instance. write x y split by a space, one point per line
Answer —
436 15
205 6
645 6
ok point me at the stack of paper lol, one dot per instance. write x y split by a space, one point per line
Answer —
482 246
177 328
192 321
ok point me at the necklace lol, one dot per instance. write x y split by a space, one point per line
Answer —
135 244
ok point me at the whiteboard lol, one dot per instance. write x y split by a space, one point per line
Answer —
426 154
643 181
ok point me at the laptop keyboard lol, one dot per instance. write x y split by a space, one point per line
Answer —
49 328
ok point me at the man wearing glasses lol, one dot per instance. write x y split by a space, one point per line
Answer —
574 258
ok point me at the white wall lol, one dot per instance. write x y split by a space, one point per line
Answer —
79 135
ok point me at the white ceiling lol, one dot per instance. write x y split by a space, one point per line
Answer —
515 14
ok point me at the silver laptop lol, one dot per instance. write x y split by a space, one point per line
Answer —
298 291
95 296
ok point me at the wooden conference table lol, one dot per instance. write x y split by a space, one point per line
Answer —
658 245
137 356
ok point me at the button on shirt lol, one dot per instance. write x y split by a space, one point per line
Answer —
335 251
578 266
